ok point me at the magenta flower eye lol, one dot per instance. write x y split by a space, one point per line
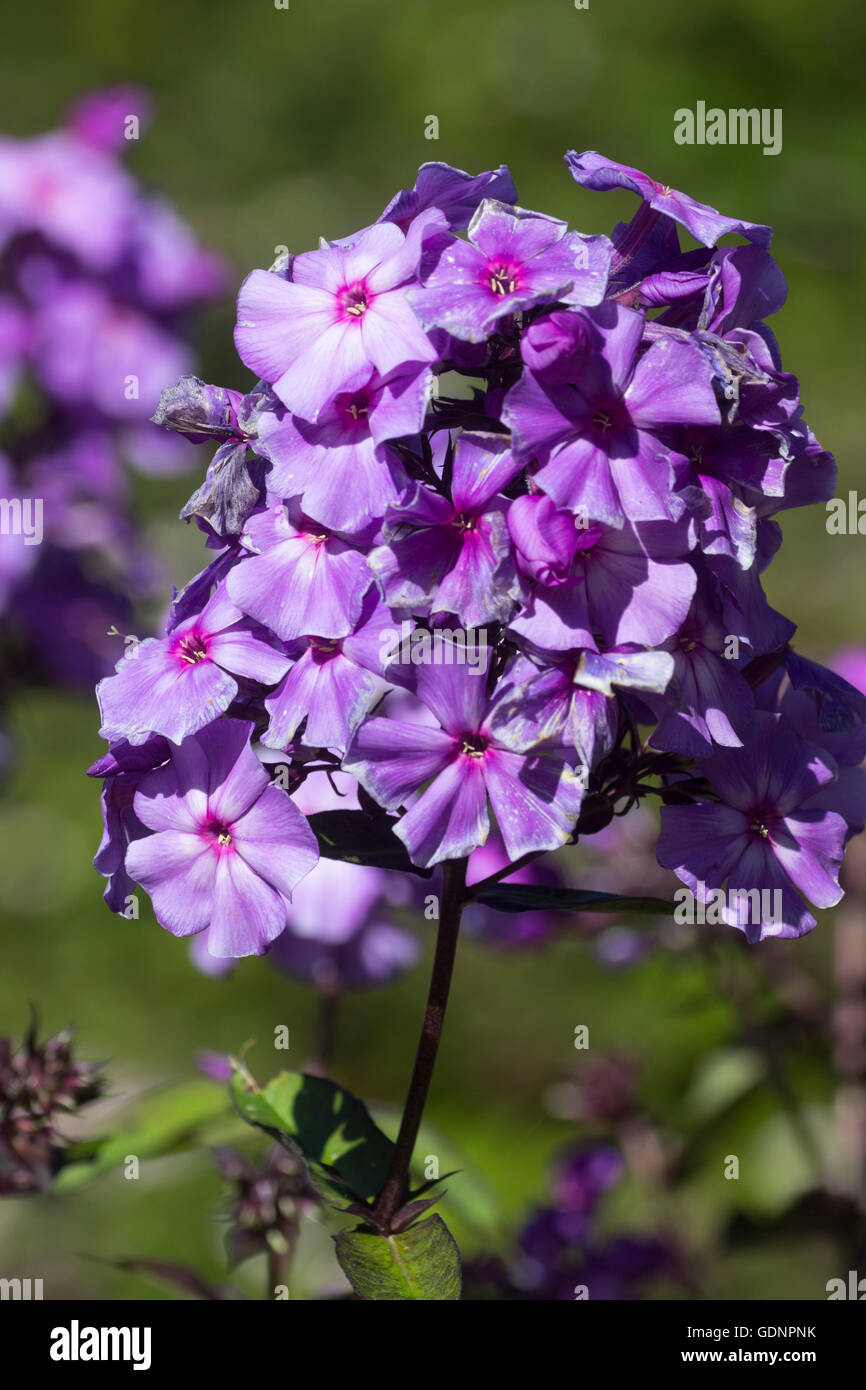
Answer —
322 648
473 746
220 833
354 300
192 648
358 408
502 277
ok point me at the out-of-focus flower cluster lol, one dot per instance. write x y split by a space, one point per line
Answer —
40 1085
561 1254
97 281
489 532
268 1198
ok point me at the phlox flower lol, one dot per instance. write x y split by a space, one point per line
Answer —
592 429
513 260
176 684
447 776
300 577
343 314
227 847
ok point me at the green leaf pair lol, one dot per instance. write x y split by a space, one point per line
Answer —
349 1157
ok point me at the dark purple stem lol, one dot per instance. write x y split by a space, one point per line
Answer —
397 1181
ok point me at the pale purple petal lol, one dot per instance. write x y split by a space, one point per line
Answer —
247 915
330 692
810 845
275 840
672 385
536 799
449 819
178 871
391 759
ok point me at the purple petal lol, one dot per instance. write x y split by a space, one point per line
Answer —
633 599
242 653
392 335
672 385
276 321
536 799
303 585
154 693
276 841
758 868
483 467
178 871
247 913
332 693
810 845
391 759
449 819
455 694
593 170
702 842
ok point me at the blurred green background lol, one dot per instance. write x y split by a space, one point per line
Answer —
278 126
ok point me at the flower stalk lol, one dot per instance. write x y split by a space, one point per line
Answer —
453 901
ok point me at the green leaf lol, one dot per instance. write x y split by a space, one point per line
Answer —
357 838
167 1122
524 897
329 1127
721 1079
421 1264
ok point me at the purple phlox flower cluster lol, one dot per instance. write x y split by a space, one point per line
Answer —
489 531
561 1255
98 281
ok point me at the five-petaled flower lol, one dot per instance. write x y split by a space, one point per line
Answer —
228 846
